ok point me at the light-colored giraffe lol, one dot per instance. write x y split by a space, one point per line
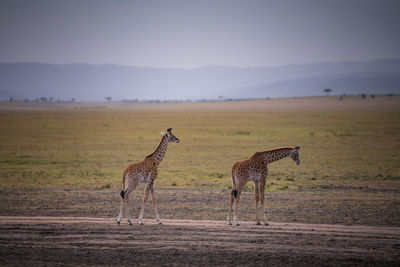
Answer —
144 172
255 169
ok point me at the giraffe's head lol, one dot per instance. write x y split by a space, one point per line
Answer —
294 154
170 136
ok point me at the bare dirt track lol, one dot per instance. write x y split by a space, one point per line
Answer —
100 241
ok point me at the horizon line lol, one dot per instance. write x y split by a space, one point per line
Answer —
204 66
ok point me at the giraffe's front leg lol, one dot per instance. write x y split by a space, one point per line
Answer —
155 206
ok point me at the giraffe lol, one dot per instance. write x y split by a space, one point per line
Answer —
255 169
144 172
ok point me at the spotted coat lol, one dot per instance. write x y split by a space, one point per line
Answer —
255 169
145 171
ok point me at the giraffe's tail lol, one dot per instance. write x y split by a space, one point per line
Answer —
234 191
122 194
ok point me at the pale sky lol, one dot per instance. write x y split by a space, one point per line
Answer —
189 34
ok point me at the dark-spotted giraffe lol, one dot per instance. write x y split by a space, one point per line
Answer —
255 169
144 172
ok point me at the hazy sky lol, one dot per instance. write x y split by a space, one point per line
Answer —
196 33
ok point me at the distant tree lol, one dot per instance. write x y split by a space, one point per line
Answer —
363 96
11 99
108 98
43 99
72 99
327 91
341 97
372 96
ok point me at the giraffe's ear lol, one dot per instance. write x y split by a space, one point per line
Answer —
162 134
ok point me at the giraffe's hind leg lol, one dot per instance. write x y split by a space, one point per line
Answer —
239 187
256 199
235 221
229 219
262 198
128 209
125 203
121 211
128 195
145 197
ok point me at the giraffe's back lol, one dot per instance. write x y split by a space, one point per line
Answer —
250 169
140 170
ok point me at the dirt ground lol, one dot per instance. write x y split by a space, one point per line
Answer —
100 241
336 205
320 227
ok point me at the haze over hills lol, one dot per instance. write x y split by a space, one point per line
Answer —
86 82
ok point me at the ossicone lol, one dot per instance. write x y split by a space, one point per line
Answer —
169 130
297 148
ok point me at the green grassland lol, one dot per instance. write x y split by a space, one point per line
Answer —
350 143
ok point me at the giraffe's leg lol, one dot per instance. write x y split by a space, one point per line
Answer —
239 191
235 210
256 199
121 211
155 205
127 199
230 209
145 196
262 198
128 209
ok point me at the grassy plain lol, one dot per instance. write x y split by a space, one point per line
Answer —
64 159
353 142
67 159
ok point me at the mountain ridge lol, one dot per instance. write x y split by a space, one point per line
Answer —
90 82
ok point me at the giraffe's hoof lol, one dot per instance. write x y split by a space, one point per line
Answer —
160 223
118 222
130 223
258 223
229 223
141 223
237 224
266 224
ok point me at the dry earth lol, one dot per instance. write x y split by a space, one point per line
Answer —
100 241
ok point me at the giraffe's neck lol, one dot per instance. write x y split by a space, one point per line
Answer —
274 155
159 153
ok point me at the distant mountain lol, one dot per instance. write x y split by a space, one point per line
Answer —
88 82
343 83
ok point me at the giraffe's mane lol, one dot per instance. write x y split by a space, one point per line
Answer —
272 150
150 155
